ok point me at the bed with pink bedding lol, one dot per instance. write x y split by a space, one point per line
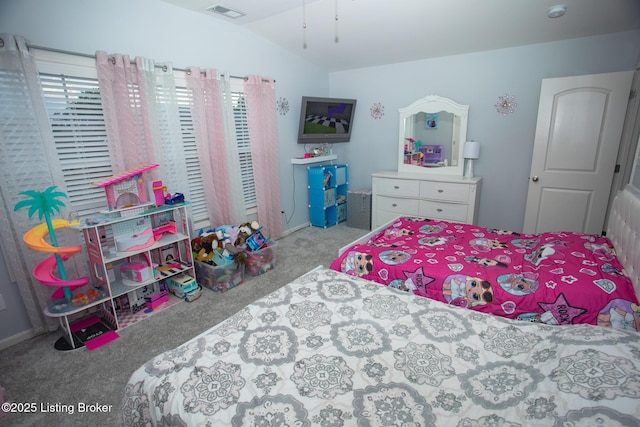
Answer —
557 278
335 350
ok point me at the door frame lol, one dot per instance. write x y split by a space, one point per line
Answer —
628 144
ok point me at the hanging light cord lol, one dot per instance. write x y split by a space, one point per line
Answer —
336 38
304 26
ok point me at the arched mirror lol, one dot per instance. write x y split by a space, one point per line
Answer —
432 134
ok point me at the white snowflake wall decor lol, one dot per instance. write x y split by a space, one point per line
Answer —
377 110
506 104
282 106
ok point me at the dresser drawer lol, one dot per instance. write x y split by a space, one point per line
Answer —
440 210
396 187
397 206
449 191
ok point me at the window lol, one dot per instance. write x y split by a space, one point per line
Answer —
244 150
196 188
79 133
72 97
74 106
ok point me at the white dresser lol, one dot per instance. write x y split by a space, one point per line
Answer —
447 197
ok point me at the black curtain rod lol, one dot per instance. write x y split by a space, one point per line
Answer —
86 55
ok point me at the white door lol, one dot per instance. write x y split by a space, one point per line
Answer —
578 133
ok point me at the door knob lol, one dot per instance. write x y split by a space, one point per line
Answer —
535 179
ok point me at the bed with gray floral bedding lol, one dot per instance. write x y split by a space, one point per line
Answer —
331 349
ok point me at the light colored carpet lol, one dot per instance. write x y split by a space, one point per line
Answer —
33 372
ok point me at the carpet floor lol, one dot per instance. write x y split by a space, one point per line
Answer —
84 388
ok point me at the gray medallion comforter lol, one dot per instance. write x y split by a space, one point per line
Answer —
332 350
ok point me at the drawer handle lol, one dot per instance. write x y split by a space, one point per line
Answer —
440 191
396 187
394 205
439 210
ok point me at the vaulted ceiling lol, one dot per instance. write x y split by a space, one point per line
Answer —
374 32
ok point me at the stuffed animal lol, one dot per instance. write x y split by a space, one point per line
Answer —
208 243
244 231
204 256
238 255
230 233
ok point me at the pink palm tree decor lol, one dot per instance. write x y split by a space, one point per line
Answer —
46 203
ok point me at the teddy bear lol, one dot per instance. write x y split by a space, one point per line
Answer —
244 231
209 242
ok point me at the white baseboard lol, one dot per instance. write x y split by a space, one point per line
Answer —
17 338
296 228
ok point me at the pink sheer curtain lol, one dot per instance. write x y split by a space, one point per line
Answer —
124 101
209 128
263 131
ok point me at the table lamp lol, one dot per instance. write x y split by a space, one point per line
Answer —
470 152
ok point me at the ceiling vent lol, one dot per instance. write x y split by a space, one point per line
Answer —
225 11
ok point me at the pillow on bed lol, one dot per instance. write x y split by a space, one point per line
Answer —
555 278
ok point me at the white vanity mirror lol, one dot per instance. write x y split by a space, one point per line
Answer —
432 134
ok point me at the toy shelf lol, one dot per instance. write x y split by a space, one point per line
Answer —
165 240
127 319
132 248
113 217
130 256
327 188
123 286
73 309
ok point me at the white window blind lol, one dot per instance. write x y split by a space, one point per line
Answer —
196 189
74 105
77 123
244 149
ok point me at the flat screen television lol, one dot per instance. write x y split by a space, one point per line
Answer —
325 120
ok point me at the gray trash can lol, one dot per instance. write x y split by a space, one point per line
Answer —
359 209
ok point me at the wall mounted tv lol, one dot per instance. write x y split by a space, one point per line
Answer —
325 120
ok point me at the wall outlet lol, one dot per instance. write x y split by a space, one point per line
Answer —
2 304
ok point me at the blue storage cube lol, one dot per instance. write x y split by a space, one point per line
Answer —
323 217
324 198
321 176
327 194
341 175
341 212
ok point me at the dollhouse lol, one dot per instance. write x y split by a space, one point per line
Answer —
125 190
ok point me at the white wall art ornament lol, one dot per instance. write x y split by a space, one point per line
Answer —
282 105
506 104
377 110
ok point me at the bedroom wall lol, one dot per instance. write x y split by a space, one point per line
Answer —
478 80
161 31
158 30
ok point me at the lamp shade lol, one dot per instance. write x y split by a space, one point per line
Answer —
471 150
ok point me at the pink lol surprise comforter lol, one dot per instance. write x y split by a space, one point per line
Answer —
555 278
